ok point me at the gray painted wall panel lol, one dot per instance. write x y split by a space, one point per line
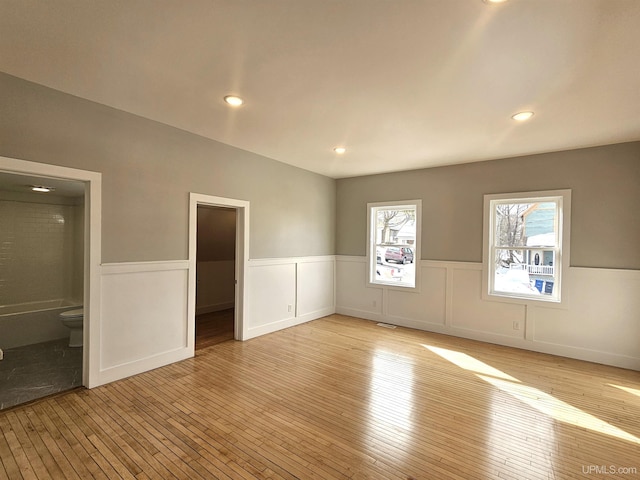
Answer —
605 184
148 170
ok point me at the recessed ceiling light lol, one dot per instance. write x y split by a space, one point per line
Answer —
494 1
340 150
522 116
42 188
233 100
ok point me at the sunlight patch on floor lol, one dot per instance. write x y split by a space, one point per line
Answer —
541 401
632 391
469 363
562 411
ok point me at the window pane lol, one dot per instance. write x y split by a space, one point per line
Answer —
516 271
395 233
525 249
525 224
509 222
540 225
512 274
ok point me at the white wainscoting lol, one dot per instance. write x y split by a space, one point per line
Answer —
284 292
602 323
143 321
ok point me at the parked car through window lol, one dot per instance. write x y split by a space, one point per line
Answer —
394 242
399 255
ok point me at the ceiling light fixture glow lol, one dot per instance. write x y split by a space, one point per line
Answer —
42 189
494 1
340 150
522 116
233 100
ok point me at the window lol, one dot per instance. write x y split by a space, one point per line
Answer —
526 238
394 243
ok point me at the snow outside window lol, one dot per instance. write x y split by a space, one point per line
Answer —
394 240
526 245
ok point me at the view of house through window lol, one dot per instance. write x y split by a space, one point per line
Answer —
525 248
393 242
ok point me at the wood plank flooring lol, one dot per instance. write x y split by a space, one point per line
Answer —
339 398
213 328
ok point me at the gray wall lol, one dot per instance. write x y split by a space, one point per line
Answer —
148 170
605 184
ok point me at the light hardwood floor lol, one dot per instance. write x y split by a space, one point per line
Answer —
339 397
213 328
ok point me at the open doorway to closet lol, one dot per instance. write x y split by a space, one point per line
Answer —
215 275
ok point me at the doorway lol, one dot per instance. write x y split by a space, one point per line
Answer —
75 219
41 232
218 255
215 275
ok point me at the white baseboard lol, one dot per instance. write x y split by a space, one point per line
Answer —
599 325
288 322
143 319
317 314
594 356
289 291
367 315
139 366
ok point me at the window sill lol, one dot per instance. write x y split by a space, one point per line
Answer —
394 286
561 304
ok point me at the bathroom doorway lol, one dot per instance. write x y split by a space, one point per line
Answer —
215 275
42 233
92 236
218 256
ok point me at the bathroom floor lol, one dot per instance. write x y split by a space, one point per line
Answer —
35 371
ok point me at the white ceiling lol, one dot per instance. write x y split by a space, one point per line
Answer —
403 84
10 182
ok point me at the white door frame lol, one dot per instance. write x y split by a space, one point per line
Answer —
92 251
242 257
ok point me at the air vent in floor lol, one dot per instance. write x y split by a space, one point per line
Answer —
386 325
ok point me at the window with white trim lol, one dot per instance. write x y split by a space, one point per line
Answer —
526 237
394 243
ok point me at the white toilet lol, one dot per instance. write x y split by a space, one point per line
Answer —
73 320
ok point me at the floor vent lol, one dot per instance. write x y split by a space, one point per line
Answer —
386 325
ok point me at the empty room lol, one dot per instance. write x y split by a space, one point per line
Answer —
319 239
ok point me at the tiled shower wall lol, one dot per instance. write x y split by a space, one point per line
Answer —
39 246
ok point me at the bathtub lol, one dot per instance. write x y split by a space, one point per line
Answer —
33 322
